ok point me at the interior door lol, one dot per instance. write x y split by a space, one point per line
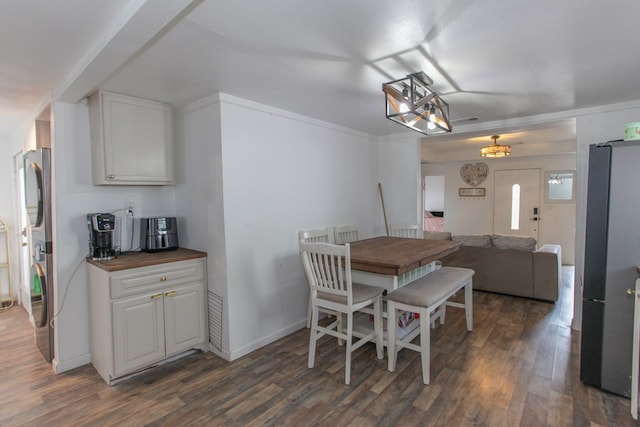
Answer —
22 234
517 202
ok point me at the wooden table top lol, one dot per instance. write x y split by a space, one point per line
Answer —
145 259
397 255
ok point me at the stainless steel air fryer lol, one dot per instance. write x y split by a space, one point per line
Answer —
158 234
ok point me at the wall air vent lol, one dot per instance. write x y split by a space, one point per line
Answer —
215 320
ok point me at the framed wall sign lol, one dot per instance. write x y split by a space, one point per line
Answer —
471 192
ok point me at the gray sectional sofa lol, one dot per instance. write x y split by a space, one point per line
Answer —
507 264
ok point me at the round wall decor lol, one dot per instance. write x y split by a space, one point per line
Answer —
474 173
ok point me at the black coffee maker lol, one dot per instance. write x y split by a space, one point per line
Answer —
101 228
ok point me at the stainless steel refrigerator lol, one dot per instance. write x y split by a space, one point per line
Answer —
612 252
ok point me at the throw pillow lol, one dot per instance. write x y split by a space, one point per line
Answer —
519 243
479 240
437 235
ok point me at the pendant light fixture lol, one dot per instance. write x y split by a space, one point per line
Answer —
495 150
412 103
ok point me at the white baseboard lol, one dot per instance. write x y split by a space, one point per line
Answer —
221 353
67 365
235 354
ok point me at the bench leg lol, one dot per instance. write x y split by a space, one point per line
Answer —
425 344
347 366
468 304
392 331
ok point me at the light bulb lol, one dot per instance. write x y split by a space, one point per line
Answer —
432 115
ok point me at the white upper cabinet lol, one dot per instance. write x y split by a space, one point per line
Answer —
131 140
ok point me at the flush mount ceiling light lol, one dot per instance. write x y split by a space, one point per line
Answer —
410 102
495 149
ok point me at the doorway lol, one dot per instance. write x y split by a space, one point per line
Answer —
433 191
517 202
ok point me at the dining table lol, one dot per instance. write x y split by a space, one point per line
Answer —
392 262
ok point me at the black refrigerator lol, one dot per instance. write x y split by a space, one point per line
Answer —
612 252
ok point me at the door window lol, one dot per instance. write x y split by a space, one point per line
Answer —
515 207
516 202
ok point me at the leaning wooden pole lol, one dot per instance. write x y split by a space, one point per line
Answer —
384 211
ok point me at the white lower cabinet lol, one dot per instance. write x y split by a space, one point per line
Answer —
141 316
138 332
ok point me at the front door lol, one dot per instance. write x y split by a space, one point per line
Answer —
516 208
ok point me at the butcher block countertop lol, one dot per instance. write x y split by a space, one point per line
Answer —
144 259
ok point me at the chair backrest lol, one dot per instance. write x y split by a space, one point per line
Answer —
328 268
413 231
345 234
321 235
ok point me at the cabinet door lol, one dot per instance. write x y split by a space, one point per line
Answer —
139 338
137 141
185 318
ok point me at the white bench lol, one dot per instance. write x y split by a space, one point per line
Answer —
425 296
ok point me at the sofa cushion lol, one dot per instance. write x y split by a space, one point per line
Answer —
518 243
437 235
478 240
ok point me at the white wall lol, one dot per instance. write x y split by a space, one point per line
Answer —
74 198
593 127
474 215
250 177
199 192
399 166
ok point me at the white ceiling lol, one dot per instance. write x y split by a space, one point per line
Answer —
495 60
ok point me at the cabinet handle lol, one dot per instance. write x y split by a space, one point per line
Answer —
156 296
111 176
170 293
163 279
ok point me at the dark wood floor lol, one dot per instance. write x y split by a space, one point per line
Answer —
518 367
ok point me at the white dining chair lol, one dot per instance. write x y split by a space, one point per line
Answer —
328 270
413 231
345 234
321 235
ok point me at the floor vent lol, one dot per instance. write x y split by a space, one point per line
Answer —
215 320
